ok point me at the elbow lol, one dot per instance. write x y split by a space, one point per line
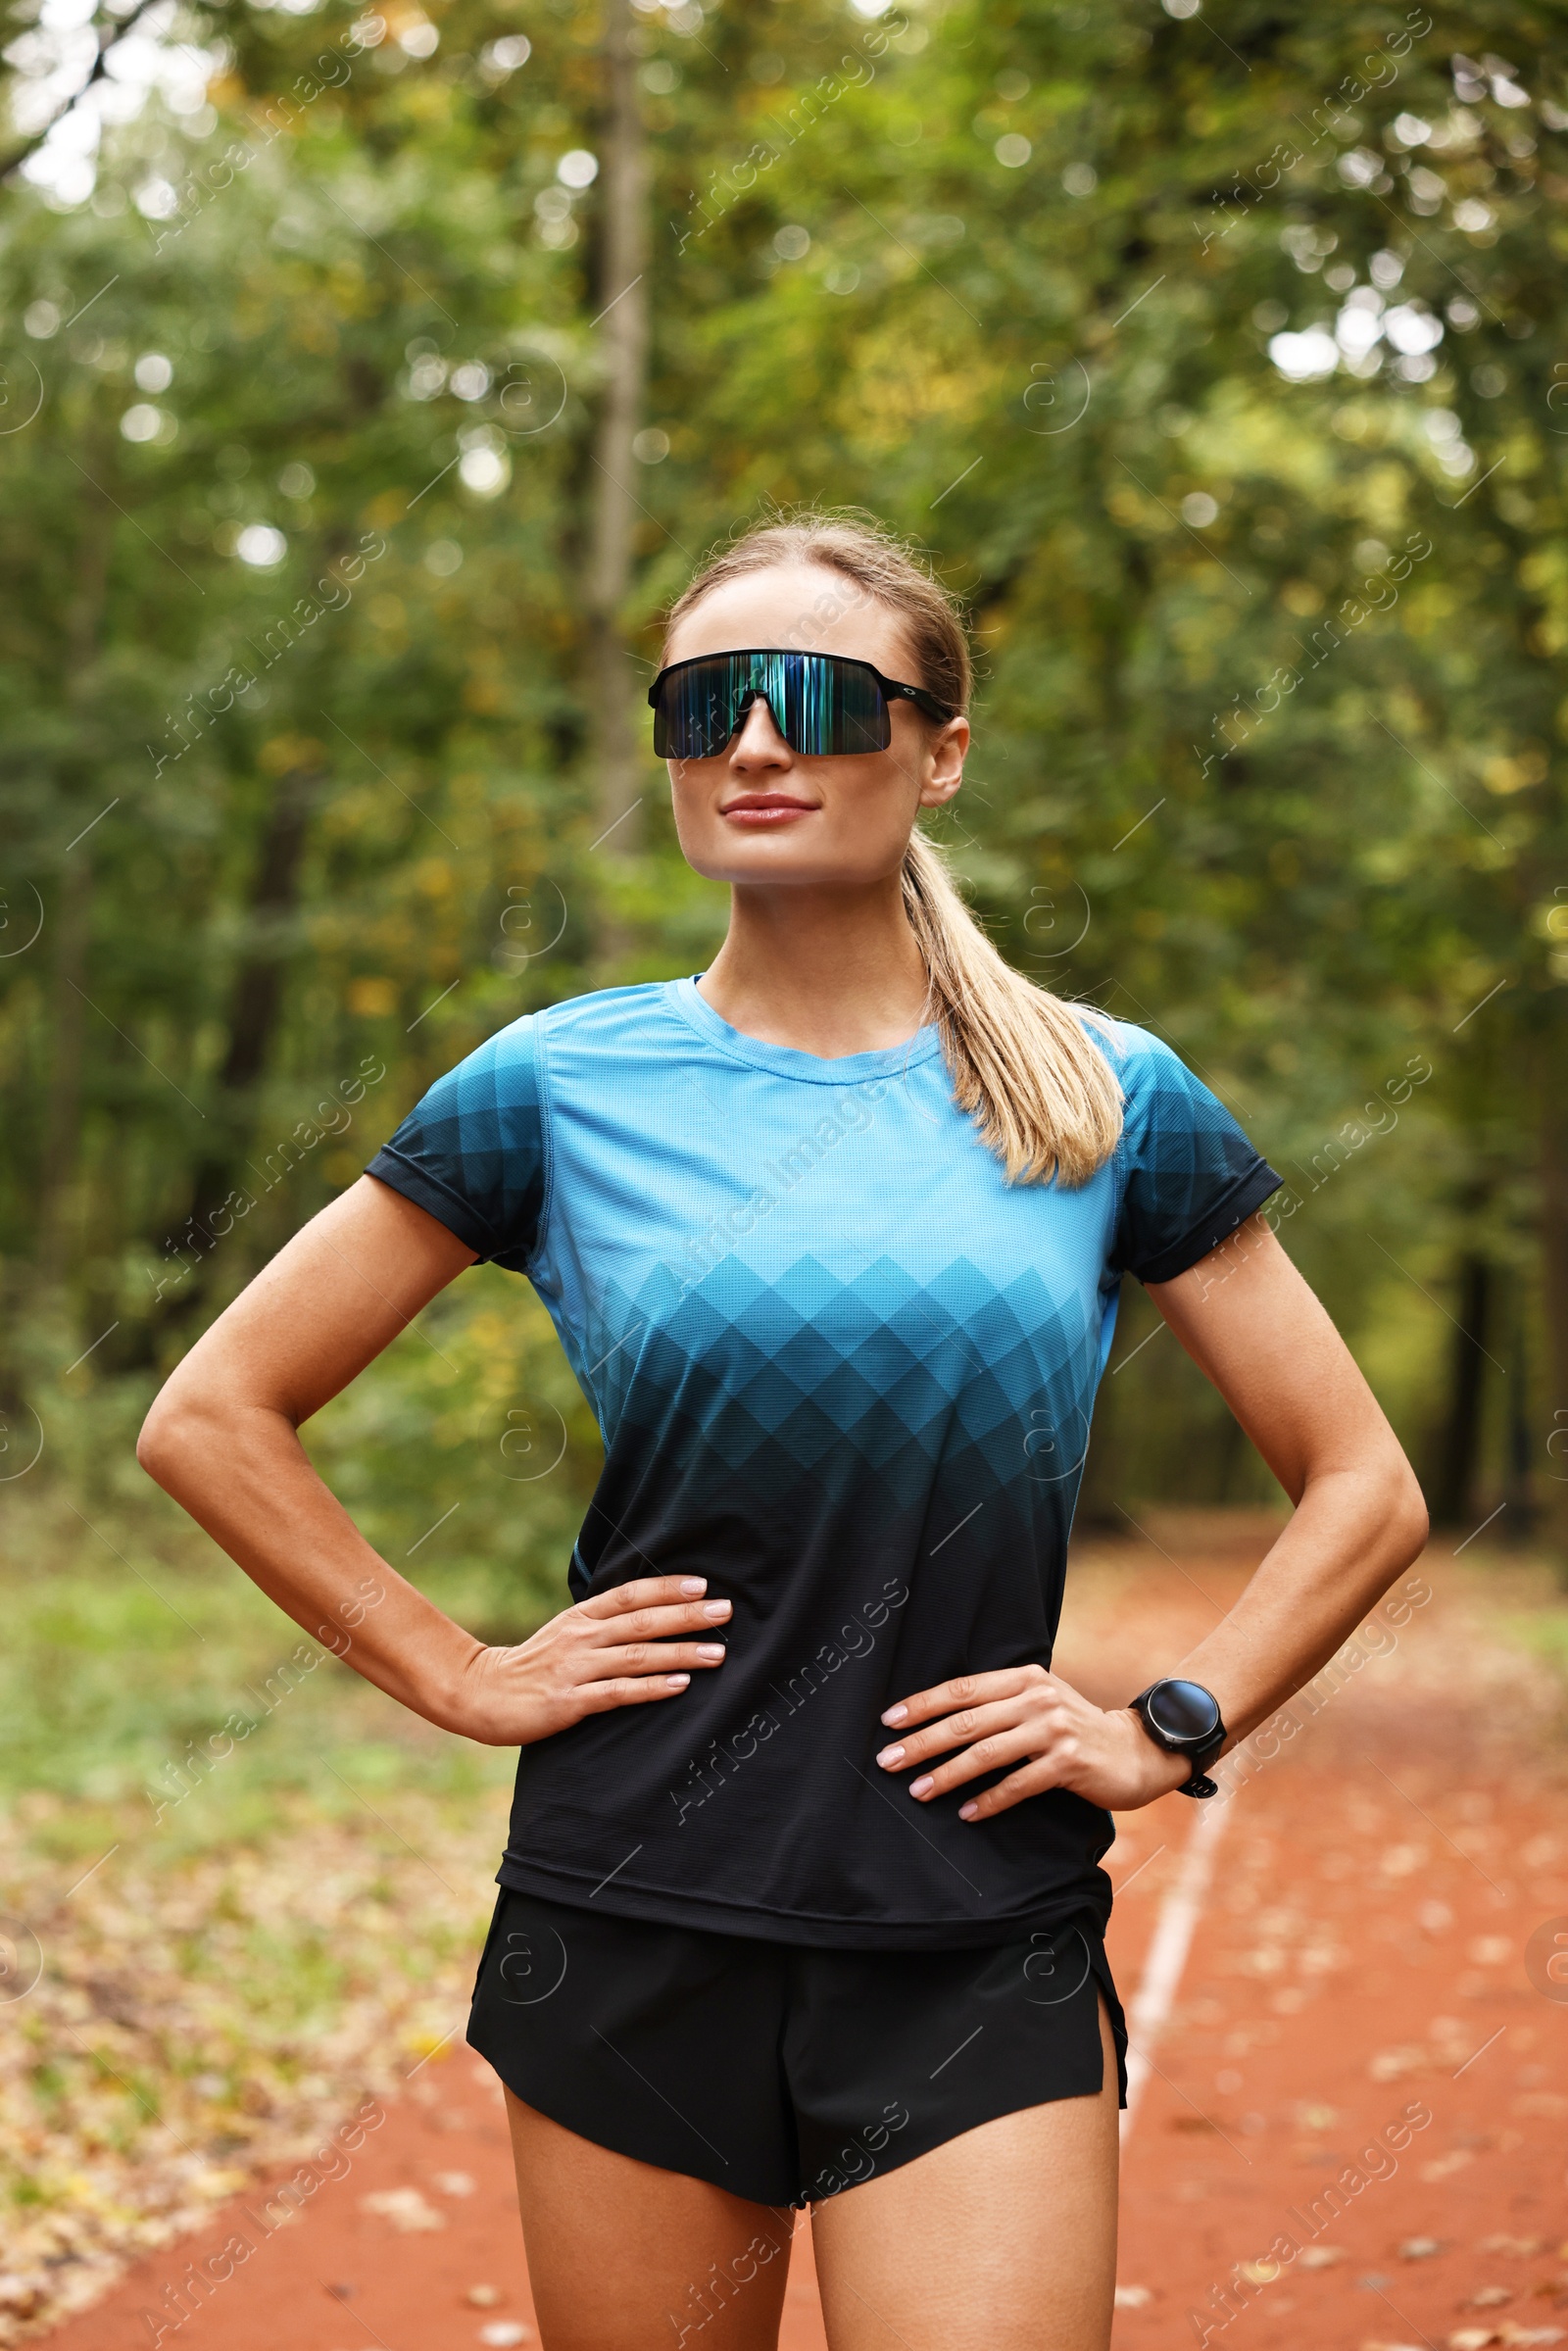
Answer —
155 1444
1407 1522
168 1435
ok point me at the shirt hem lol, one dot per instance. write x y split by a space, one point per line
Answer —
754 1923
437 1199
1233 1208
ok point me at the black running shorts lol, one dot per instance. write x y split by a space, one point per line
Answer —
780 2071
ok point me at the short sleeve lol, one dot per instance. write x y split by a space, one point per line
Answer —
1190 1176
472 1151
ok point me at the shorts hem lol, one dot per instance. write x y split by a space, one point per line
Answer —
552 2104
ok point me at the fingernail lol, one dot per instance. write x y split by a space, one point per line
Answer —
676 1680
890 1756
694 1586
710 1648
966 1812
923 1785
896 1715
715 1610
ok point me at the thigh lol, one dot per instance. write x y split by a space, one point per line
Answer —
624 2256
1002 2240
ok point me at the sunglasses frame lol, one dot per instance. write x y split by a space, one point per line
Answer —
892 689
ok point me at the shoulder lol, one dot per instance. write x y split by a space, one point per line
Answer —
601 1023
606 1018
1143 1062
1163 1095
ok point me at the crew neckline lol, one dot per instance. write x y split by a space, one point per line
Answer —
787 1061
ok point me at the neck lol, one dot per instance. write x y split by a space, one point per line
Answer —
827 972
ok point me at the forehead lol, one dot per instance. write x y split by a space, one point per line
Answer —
794 607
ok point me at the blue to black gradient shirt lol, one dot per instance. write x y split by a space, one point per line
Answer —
845 1371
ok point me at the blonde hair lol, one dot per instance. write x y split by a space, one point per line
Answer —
1023 1063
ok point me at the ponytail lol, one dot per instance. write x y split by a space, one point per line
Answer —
1025 1065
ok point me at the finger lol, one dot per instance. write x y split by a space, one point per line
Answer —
650 1657
970 1689
986 1755
645 1591
957 1730
1032 1780
654 1623
597 1697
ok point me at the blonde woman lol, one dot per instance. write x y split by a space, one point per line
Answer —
801 1902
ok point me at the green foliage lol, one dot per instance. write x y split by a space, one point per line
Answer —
1270 723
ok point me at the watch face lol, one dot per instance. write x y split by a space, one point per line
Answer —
1184 1711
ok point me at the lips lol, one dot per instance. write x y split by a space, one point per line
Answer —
763 809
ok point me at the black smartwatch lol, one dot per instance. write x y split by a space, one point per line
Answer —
1184 1718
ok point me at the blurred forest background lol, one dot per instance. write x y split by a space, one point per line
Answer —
367 384
371 383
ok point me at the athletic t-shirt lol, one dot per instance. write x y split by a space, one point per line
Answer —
845 1371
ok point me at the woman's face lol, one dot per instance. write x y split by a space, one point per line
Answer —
759 811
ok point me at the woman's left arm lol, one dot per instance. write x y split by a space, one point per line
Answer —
1252 1326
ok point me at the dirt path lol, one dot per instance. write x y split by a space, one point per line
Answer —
1351 2130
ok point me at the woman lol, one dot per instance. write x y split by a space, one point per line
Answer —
802 1898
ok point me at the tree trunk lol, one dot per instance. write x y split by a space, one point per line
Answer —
62 1133
615 507
255 1005
61 1123
1519 1482
1453 1484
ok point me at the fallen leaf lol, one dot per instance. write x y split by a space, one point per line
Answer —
484 2297
1390 2065
1490 2297
1446 2166
1472 2338
505 2331
1133 2298
455 2183
1321 2257
1521 2245
405 2208
21 2296
1420 2248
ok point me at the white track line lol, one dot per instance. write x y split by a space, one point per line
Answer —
1178 1918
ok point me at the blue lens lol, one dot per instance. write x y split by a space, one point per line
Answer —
823 705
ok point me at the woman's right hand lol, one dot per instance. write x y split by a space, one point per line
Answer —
621 1648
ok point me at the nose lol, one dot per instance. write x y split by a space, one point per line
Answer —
758 742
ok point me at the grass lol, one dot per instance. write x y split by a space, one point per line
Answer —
236 1900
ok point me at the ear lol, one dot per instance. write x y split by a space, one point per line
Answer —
948 752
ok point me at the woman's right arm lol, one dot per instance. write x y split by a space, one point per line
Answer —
223 1439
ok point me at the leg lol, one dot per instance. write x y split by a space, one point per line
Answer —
1003 2239
625 2256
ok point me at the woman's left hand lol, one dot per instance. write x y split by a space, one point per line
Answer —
1033 1720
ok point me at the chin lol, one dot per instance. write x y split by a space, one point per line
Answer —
787 855
774 861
